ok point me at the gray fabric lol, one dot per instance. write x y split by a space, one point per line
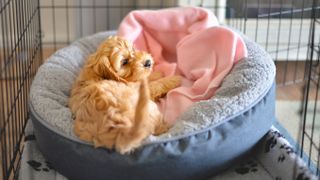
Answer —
260 165
247 83
192 157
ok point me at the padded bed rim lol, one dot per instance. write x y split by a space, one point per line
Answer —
55 130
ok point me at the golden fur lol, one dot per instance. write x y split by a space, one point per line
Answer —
112 101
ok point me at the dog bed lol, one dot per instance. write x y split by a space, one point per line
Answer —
263 163
207 138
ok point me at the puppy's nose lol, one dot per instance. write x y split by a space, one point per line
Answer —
147 63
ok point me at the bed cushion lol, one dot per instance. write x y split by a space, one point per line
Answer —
208 137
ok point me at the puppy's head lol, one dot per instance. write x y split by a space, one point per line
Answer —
116 59
111 58
140 68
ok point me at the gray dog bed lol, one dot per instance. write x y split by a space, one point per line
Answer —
207 138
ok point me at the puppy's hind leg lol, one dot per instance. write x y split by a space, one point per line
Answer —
142 125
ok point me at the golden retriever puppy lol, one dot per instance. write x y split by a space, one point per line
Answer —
111 100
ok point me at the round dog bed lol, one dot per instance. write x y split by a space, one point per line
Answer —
207 138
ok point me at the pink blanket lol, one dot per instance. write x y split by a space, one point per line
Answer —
188 42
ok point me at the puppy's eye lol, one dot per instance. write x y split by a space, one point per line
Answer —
125 62
147 63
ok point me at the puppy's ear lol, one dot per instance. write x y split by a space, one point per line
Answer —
103 68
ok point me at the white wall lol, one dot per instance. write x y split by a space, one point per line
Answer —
96 19
278 36
74 22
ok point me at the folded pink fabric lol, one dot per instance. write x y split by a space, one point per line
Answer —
188 42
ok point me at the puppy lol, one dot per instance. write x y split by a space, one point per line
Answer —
112 100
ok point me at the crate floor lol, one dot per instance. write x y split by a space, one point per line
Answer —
273 158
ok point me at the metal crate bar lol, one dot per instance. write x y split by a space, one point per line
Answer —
20 56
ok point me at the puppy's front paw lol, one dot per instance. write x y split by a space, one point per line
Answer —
155 76
175 81
162 86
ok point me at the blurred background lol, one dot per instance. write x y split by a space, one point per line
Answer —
31 30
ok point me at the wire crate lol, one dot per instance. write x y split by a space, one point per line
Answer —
30 31
20 56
